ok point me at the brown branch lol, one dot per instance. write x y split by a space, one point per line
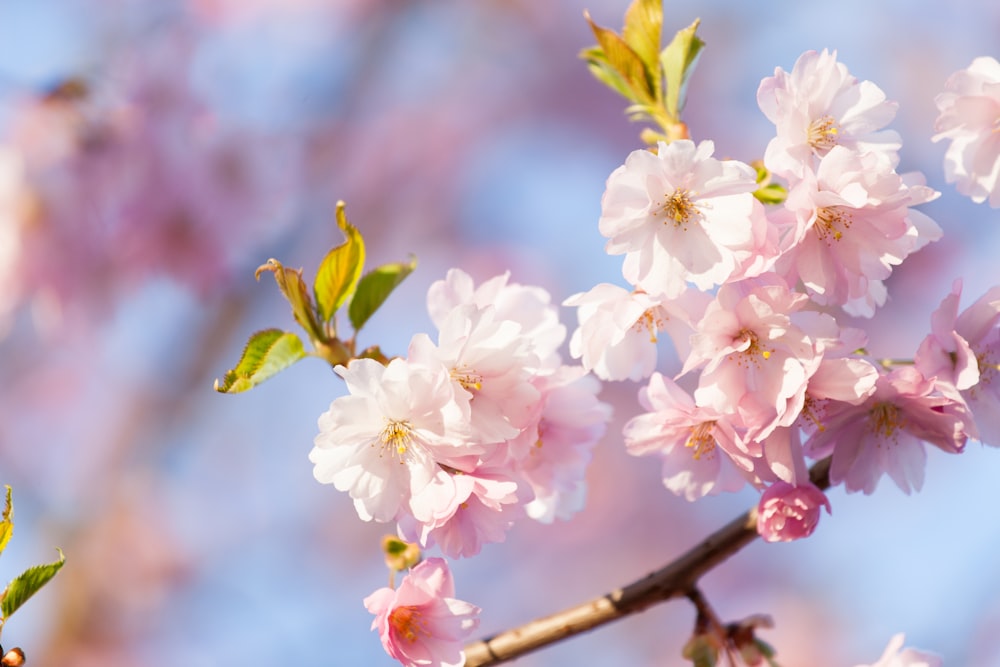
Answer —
676 579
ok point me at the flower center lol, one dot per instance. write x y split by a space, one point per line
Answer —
822 134
407 623
679 208
884 420
468 378
396 437
702 440
831 223
649 321
754 350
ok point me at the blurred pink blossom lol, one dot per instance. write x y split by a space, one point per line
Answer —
786 512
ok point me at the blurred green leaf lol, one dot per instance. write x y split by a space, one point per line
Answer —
27 584
773 193
297 294
340 270
267 353
7 524
626 62
602 70
679 60
374 288
643 23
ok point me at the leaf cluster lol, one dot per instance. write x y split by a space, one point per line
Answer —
653 80
28 582
339 279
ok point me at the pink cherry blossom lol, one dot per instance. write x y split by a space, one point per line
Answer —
489 361
679 215
461 511
529 306
963 350
561 445
688 439
897 656
886 433
382 442
818 106
969 117
757 360
786 512
618 329
854 224
421 624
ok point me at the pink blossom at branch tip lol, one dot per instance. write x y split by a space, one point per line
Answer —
969 117
421 624
786 512
886 433
897 656
700 449
820 105
963 352
679 215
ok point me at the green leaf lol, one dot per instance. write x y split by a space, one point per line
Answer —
340 270
7 524
374 288
643 23
621 58
773 193
598 65
297 294
267 353
679 59
27 584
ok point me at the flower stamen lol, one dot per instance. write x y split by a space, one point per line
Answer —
396 437
407 623
679 208
702 440
822 134
884 420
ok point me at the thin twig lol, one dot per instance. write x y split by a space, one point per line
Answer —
676 579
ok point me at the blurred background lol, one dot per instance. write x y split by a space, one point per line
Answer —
152 154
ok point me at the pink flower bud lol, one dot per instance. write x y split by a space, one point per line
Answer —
787 512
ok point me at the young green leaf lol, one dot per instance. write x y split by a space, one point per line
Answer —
679 59
27 584
7 524
625 61
643 22
267 353
297 294
602 70
772 193
340 270
374 288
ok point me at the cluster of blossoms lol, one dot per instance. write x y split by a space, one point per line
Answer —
753 297
465 435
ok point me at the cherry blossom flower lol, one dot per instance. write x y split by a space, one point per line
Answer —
421 624
820 105
383 442
489 361
969 117
854 224
757 360
963 350
460 511
680 216
618 329
786 512
561 444
529 306
886 433
897 656
688 439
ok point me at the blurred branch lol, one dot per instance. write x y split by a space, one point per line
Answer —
676 579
